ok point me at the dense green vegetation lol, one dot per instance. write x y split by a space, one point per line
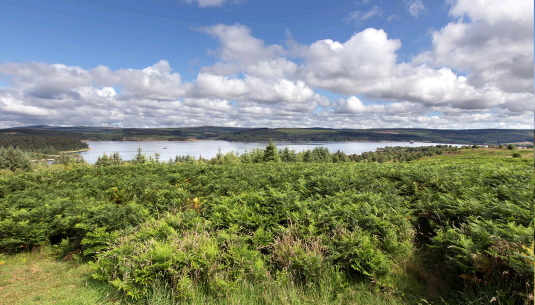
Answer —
323 155
44 145
443 229
13 159
474 136
480 136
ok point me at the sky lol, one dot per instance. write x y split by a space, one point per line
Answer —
452 64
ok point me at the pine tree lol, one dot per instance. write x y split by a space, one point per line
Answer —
139 158
271 154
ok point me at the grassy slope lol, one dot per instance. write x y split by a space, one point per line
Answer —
482 156
39 278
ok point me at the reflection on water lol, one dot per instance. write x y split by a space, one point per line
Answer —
209 149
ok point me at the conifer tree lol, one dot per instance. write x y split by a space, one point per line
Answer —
271 154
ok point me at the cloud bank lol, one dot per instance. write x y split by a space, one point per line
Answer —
477 74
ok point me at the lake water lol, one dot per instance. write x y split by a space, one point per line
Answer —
209 149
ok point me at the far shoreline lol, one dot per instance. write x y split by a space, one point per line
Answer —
296 142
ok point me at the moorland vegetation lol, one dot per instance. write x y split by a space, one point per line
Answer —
449 226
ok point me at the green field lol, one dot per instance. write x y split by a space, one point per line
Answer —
455 228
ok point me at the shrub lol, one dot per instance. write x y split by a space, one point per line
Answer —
517 155
13 159
357 251
157 253
302 259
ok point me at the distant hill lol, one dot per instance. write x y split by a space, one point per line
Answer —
236 134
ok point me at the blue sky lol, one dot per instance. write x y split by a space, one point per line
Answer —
446 47
136 34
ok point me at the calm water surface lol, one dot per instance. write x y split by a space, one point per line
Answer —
209 149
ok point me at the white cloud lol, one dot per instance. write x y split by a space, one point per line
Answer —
210 85
240 52
237 44
392 17
494 47
494 11
255 89
45 81
359 2
416 8
358 17
367 57
211 3
478 74
428 86
12 106
354 105
154 82
208 104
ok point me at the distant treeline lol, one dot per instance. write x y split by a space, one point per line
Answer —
474 136
14 158
318 135
272 154
45 145
323 155
469 137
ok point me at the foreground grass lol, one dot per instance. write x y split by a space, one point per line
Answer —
40 278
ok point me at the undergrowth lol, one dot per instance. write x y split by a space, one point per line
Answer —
274 233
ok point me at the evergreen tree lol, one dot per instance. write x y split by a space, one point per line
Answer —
103 160
340 156
271 154
64 159
246 157
288 155
140 157
116 159
307 156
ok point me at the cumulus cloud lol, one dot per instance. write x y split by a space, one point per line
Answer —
477 74
45 81
154 82
208 104
154 96
240 52
365 58
255 89
238 45
354 105
492 41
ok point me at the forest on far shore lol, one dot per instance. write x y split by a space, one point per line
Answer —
236 134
